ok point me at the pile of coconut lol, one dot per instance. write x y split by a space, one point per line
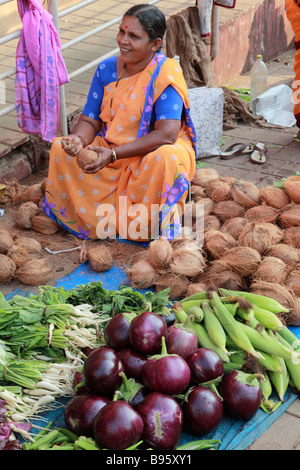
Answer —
250 241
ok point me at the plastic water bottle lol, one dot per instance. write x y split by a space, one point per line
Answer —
259 79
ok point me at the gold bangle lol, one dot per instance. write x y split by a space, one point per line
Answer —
113 155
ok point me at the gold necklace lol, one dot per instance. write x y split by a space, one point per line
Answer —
112 98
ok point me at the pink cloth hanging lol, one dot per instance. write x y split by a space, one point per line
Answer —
40 72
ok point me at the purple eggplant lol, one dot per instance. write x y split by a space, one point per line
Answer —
163 420
202 410
116 331
205 365
81 411
78 384
132 391
146 331
241 393
132 361
181 340
101 371
118 426
166 373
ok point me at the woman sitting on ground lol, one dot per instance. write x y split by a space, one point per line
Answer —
137 120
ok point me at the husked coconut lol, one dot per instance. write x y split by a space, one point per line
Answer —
292 187
160 253
187 262
43 224
100 258
7 269
274 197
6 241
234 226
86 157
142 274
177 284
34 272
245 193
225 210
31 245
25 213
272 269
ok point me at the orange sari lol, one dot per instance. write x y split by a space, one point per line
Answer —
137 198
293 15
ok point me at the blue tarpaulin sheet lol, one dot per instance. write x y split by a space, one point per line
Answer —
233 434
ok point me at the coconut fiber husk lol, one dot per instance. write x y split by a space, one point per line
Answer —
183 39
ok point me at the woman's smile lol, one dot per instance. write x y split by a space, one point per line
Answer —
136 49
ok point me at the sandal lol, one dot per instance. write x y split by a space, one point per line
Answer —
259 153
236 149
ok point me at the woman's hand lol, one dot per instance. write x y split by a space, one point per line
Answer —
71 144
103 160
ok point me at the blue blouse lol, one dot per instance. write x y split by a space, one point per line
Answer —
169 105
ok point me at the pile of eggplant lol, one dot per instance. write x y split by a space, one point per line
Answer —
151 381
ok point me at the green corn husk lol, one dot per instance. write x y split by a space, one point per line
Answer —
200 296
267 405
263 342
232 327
267 318
213 327
289 337
260 300
292 366
201 333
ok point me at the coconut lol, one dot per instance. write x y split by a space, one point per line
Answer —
220 275
43 224
7 269
286 253
142 274
25 213
187 262
226 210
34 272
290 216
246 193
32 246
140 255
259 236
6 241
194 288
211 222
292 281
274 197
175 282
234 226
86 157
292 236
33 193
100 258
19 255
272 269
204 175
292 186
262 214
197 191
294 314
218 190
242 259
160 253
217 243
203 206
